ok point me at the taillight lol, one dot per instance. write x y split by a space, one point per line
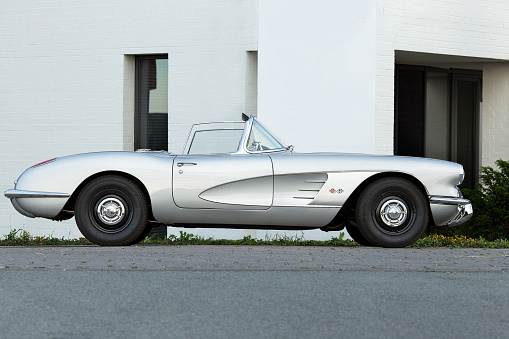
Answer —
44 162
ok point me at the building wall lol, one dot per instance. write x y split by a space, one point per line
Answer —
445 29
324 72
495 113
67 77
317 73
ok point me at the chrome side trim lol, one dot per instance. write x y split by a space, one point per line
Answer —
12 194
448 201
311 186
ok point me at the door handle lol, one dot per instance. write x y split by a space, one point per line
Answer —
180 164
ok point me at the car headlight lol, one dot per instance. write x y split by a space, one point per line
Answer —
462 175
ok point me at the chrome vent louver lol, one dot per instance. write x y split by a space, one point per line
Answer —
311 185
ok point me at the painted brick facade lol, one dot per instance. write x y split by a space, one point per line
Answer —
67 72
495 113
455 28
67 77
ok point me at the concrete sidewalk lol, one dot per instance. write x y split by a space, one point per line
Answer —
253 258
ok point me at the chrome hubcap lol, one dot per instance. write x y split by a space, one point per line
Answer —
393 213
111 211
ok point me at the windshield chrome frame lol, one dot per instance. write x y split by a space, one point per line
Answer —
248 132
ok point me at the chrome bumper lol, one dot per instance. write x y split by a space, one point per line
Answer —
16 194
33 194
464 209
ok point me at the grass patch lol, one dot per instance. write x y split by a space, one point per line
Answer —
277 240
23 238
459 241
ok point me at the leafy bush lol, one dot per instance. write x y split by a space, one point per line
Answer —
490 200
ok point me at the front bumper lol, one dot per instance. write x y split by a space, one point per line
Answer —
15 194
450 211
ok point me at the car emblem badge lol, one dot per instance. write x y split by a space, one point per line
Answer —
337 191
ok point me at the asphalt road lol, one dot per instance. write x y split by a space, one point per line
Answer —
259 292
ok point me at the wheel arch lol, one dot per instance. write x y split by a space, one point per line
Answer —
71 203
345 212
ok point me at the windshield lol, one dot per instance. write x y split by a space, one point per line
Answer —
260 139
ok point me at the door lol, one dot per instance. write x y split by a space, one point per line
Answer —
223 181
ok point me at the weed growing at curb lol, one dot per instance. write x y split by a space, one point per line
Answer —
276 240
21 237
460 241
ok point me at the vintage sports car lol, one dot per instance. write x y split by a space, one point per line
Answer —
239 175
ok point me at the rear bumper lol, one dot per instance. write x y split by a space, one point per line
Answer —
33 194
450 211
15 194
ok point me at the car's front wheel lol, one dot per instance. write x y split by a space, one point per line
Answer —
392 212
355 234
111 210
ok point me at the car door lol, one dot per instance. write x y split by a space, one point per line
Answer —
227 181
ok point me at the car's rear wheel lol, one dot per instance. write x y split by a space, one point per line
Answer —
392 212
111 210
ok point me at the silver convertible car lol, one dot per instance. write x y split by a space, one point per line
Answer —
239 175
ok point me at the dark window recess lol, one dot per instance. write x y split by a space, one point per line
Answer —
151 113
410 113
467 106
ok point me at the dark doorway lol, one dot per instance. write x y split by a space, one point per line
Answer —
437 115
466 111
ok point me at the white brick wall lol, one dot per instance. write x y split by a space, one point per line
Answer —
66 77
495 113
450 27
317 73
67 67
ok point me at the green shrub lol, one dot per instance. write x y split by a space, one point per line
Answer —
490 200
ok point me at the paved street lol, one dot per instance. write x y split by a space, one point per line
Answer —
252 292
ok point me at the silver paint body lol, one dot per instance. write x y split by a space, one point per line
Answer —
250 186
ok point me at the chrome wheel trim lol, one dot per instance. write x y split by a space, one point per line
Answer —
393 213
110 211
